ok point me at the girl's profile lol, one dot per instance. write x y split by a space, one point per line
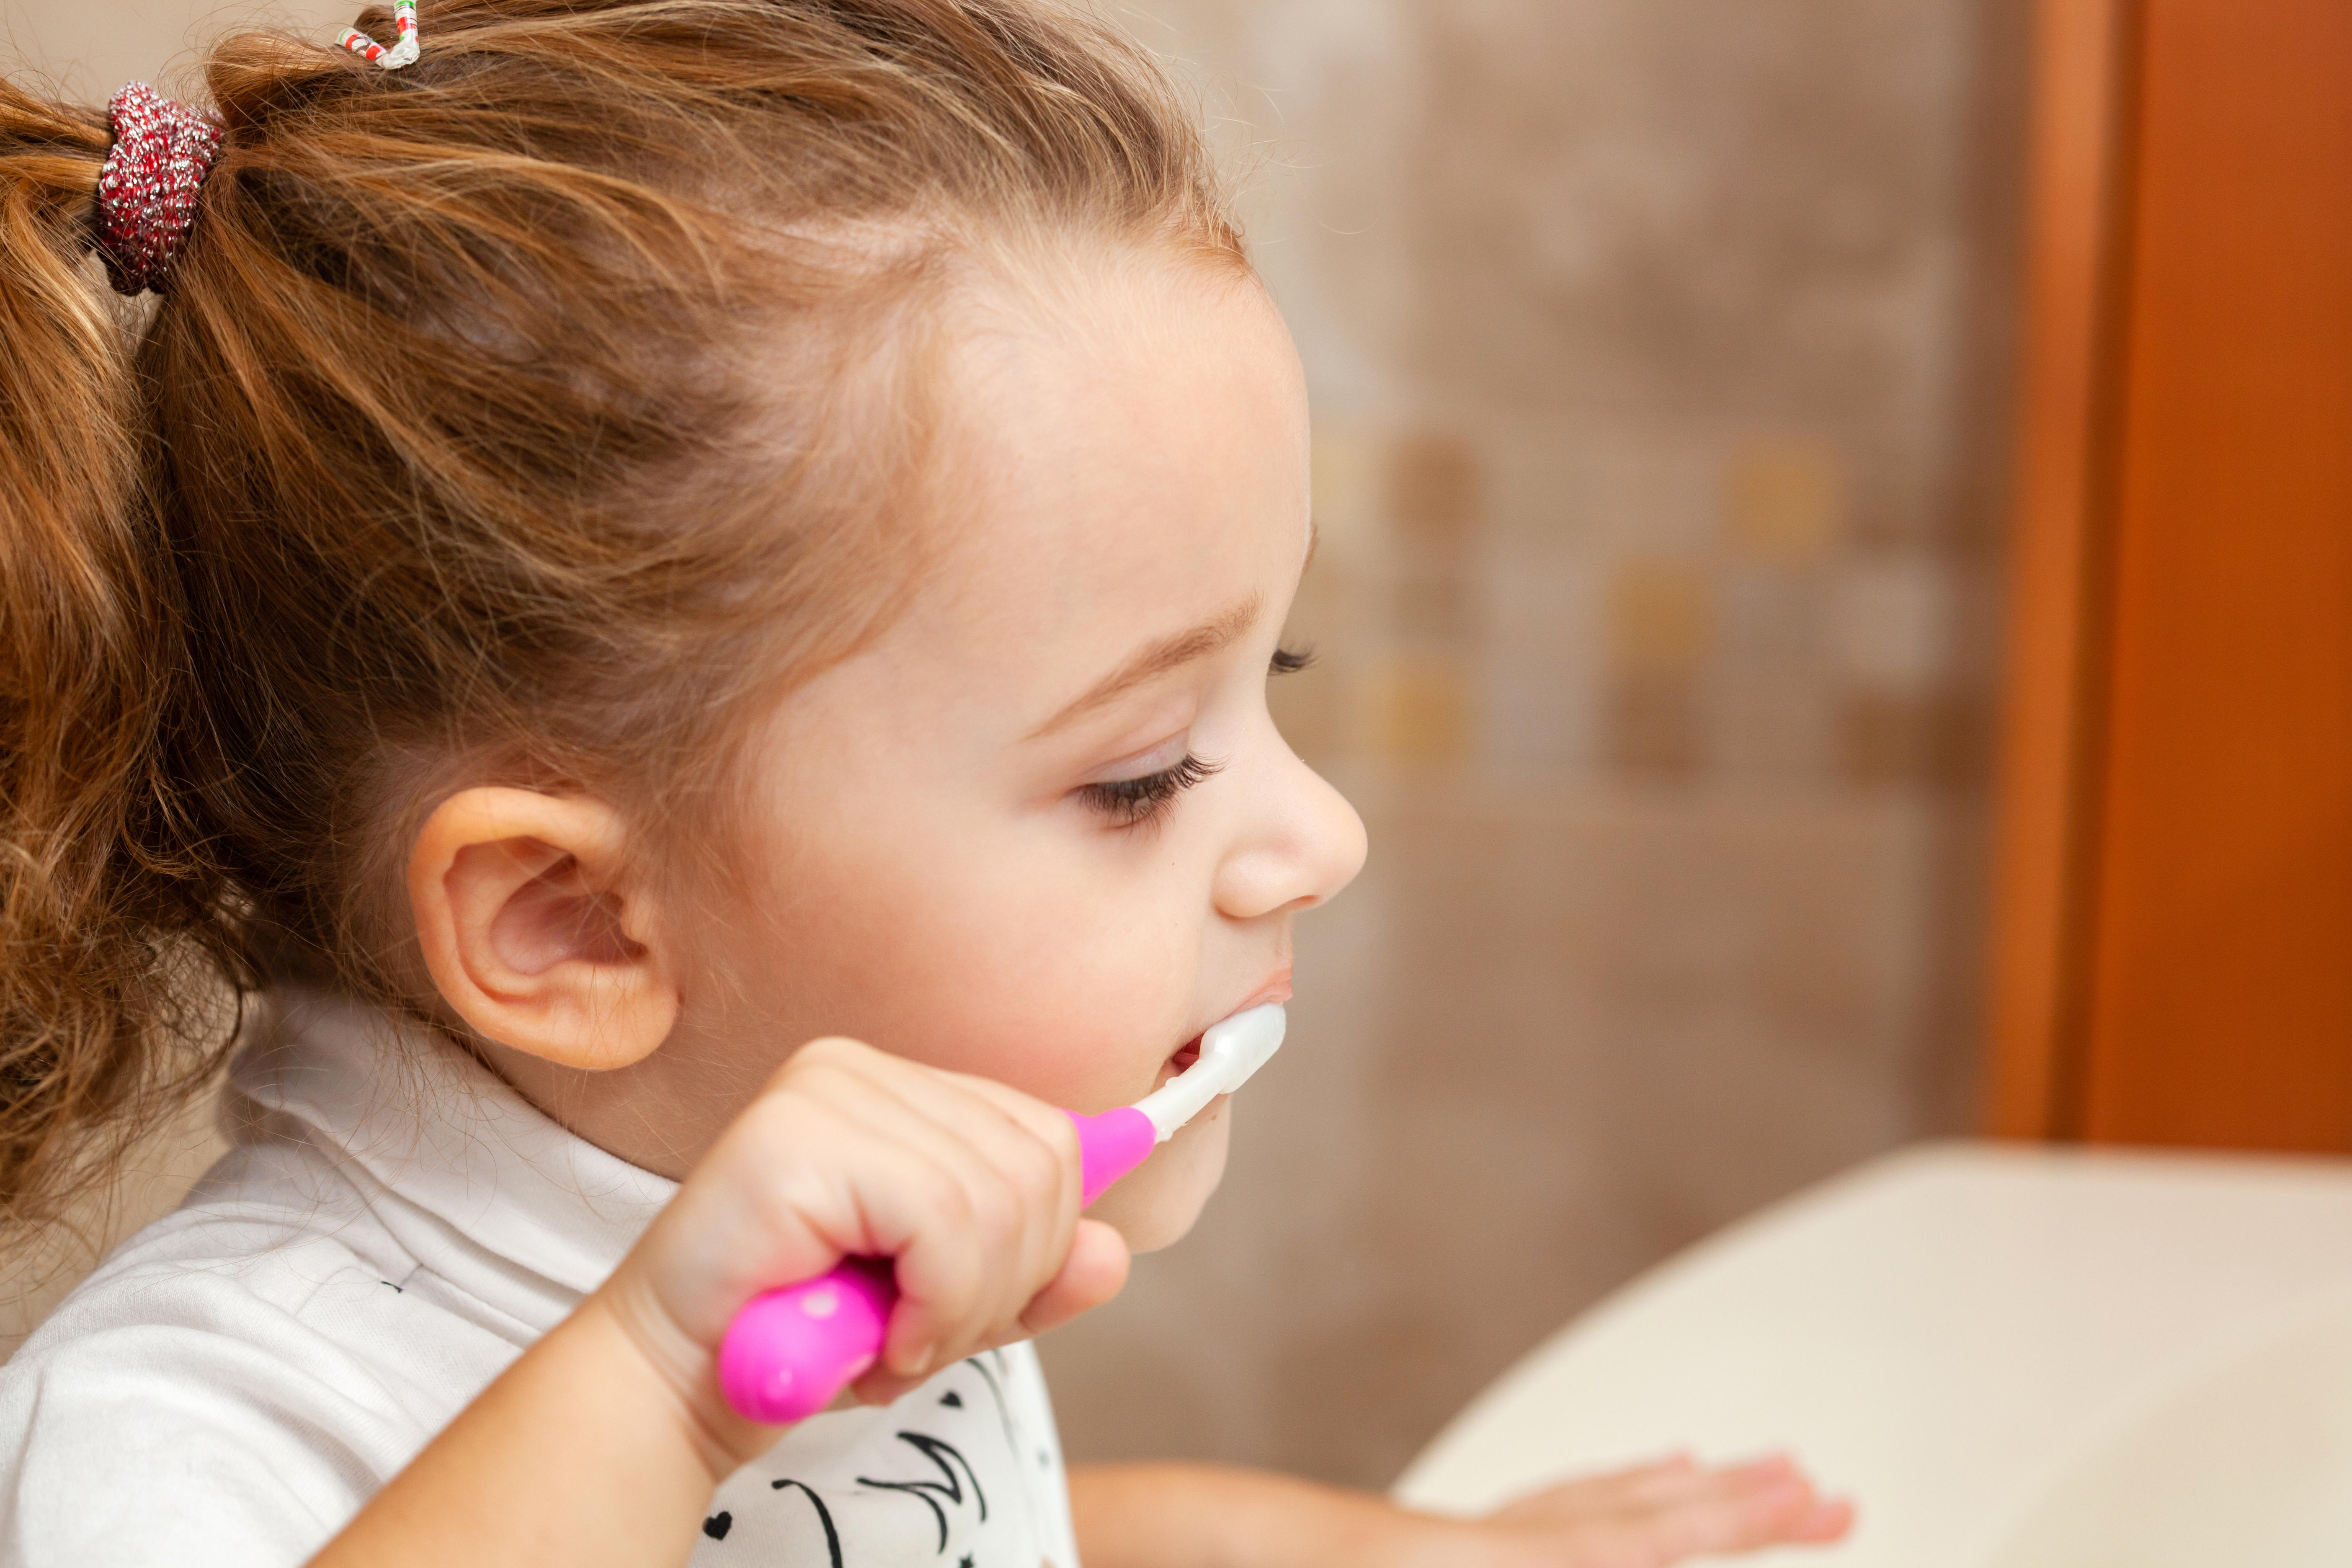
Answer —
653 628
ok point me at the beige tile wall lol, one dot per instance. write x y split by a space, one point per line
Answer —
89 47
1658 349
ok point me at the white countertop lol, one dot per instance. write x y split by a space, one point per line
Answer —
1938 1333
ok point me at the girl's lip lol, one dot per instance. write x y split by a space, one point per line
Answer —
1275 989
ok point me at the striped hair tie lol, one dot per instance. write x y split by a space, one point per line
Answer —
404 39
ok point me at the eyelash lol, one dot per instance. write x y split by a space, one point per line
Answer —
1131 803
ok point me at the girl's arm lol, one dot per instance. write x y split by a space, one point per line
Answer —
581 1453
1207 1516
600 1447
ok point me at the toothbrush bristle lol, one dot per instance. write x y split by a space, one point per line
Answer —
1230 1053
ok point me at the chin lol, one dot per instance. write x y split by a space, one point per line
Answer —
1157 1205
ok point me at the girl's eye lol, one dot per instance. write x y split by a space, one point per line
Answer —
1290 661
1130 803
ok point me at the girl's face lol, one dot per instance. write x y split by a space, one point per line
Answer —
1043 829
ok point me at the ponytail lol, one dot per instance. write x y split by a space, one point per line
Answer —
97 903
523 413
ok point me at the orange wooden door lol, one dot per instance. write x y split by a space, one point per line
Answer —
2175 958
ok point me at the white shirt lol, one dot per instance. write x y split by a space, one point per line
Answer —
395 1225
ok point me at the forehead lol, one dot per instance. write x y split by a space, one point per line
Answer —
1124 454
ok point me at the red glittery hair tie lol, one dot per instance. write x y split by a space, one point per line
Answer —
147 193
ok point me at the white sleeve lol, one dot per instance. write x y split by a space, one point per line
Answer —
150 1445
229 1416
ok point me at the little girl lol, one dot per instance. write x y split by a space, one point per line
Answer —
675 600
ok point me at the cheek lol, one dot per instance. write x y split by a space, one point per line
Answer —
1007 960
1154 1206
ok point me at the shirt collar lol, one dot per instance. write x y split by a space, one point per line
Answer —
443 1133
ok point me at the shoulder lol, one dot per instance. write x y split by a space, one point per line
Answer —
238 1377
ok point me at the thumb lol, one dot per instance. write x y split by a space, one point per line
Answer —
1095 1271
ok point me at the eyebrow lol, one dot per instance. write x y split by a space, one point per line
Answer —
1155 660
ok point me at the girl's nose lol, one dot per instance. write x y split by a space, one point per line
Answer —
1302 843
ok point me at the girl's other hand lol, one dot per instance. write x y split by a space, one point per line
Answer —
1185 1516
970 1187
1645 1516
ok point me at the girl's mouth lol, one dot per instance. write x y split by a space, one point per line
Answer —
1275 989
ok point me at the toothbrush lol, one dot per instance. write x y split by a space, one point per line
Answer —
789 1351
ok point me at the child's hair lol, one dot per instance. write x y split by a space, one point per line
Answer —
527 412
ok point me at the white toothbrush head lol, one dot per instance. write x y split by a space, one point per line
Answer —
1230 1053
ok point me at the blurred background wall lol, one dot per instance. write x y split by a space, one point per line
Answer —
1659 358
1659 355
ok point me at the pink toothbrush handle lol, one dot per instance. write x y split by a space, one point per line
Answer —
789 1351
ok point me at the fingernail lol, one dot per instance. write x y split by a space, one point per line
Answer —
1830 1518
918 1361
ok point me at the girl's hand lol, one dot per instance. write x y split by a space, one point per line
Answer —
612 1427
1208 1516
1646 1517
972 1187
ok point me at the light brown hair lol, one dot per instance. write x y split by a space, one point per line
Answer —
530 410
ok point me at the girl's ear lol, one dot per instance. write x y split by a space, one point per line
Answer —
530 929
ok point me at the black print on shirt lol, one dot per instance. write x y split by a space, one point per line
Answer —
929 1493
950 1487
824 1517
996 1389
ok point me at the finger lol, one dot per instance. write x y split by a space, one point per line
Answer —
948 1094
1036 1149
1658 1480
1095 1271
1739 1511
1585 1496
1019 1204
1784 1510
915 1194
751 1222
967 1269
922 1219
1030 1142
825 1050
1022 1191
1831 1520
882 1386
1049 1123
